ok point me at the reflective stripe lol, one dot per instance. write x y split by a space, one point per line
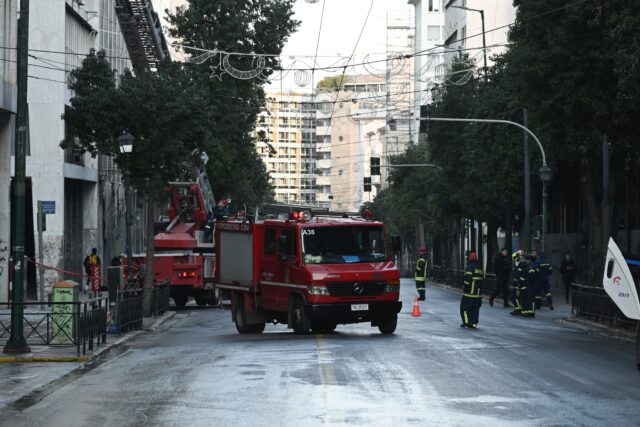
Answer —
471 296
466 318
420 289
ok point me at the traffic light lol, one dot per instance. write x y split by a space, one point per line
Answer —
367 184
375 166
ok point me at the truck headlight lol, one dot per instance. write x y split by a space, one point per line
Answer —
392 286
318 290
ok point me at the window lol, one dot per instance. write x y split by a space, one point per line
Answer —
433 33
291 249
339 245
270 241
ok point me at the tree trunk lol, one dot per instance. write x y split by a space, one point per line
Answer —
492 243
595 214
149 274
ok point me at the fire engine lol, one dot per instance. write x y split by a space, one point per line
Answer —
308 272
184 249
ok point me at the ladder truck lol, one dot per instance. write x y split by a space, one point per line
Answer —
184 249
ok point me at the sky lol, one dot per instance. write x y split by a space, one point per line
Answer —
342 22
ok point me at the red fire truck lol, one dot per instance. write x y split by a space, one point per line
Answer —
308 273
184 249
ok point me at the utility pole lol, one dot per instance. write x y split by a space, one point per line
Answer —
525 244
606 197
17 342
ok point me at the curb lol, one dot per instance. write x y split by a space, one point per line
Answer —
598 329
41 359
88 358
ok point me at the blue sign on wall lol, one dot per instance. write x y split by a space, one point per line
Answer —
48 206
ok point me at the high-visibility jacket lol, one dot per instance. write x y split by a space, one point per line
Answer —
520 276
422 269
473 276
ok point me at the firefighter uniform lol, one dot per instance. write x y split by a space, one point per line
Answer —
471 297
519 285
544 287
422 272
530 292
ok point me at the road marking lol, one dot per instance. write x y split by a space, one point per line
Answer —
576 378
335 415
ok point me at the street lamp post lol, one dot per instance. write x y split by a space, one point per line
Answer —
17 342
546 174
484 41
125 145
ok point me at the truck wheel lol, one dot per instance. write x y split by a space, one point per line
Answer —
388 325
301 323
213 300
201 301
180 300
240 319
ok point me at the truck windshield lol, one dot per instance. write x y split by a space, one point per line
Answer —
343 244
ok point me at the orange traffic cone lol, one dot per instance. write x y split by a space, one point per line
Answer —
416 308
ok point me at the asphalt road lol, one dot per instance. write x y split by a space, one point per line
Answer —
197 371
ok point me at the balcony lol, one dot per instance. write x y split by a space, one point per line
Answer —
323 164
323 180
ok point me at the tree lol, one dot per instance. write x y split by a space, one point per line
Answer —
333 83
573 71
164 111
257 30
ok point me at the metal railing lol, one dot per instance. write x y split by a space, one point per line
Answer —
79 323
592 302
160 300
129 310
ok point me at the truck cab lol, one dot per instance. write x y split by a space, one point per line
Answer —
312 274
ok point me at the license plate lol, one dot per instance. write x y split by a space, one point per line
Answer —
359 307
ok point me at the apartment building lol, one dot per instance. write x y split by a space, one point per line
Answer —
351 124
429 56
289 123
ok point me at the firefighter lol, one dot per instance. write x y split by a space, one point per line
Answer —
519 283
92 265
544 274
502 268
471 296
530 290
422 272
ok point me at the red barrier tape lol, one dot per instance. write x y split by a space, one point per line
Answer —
70 273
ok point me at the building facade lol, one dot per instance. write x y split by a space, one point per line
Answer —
429 58
463 27
351 124
289 124
8 93
61 33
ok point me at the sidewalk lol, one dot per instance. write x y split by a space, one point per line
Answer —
562 314
21 375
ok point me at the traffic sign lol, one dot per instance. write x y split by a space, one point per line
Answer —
48 206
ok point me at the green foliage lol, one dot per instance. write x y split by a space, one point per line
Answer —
244 26
478 166
332 82
164 111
